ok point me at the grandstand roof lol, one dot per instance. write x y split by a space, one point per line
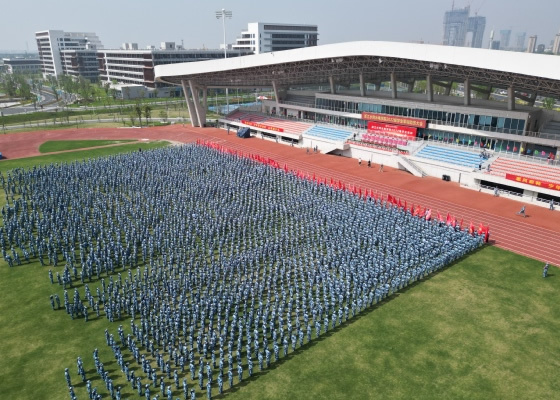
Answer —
375 60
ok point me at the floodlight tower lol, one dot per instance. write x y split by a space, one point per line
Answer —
223 14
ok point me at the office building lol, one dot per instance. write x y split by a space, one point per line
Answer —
129 46
505 37
82 63
137 66
262 37
520 41
52 42
532 45
458 23
22 65
556 44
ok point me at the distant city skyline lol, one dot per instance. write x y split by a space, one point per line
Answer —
194 23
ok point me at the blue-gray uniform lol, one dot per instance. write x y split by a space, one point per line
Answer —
217 212
239 372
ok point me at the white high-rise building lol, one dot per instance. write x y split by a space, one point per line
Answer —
532 46
263 37
556 45
51 42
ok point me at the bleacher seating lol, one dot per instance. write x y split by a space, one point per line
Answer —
503 166
451 156
326 132
388 141
288 126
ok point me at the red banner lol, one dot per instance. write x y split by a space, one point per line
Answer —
394 119
399 130
534 182
262 126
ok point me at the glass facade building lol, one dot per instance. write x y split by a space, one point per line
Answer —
474 121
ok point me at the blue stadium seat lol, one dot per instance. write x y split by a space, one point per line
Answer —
329 133
451 156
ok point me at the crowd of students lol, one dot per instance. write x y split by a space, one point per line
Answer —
220 263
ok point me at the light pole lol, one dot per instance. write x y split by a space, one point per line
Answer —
223 14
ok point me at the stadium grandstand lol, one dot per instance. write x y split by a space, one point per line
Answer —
473 116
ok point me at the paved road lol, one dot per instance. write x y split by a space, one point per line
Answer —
46 99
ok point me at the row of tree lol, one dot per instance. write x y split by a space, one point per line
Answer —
16 85
146 111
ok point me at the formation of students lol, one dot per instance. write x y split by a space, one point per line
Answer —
220 263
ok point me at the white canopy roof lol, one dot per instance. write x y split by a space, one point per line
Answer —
375 60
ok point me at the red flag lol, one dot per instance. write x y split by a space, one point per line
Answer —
389 198
412 209
486 233
480 229
453 222
471 228
399 203
448 219
428 214
439 217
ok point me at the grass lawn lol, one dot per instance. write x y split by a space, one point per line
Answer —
486 327
6 165
62 145
84 125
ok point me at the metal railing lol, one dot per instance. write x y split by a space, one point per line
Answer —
533 159
500 191
413 165
484 128
554 203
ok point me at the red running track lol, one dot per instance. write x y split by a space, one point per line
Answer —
537 236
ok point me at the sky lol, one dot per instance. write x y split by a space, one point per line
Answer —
193 21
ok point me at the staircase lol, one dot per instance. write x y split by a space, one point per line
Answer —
410 166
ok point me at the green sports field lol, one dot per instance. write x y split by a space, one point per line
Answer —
64 145
485 327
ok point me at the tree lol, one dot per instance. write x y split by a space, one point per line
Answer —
419 87
548 103
10 86
132 119
138 111
147 113
163 115
55 92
